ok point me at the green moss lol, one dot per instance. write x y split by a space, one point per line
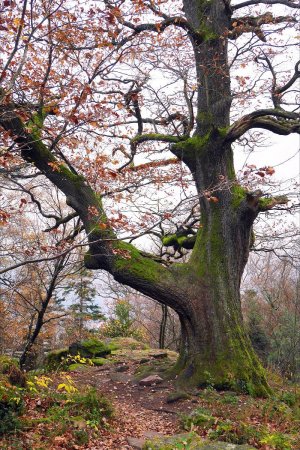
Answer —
76 366
123 343
169 240
67 173
223 131
89 348
36 123
238 195
99 361
178 241
55 358
157 137
128 258
189 441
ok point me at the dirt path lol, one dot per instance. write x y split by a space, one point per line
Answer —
138 409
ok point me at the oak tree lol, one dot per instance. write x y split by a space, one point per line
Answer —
123 102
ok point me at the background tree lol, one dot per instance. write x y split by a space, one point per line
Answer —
78 110
83 309
272 311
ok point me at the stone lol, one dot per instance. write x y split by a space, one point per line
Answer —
151 379
176 396
55 359
193 442
159 355
122 368
121 377
136 443
90 348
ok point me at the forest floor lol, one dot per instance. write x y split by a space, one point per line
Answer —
145 411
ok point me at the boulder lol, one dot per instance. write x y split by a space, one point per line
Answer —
159 355
122 368
55 358
176 396
90 348
151 379
121 377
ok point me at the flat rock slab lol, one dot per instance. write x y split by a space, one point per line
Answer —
152 379
138 443
121 377
193 443
159 355
122 368
224 446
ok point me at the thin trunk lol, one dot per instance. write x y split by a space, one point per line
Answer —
163 326
26 361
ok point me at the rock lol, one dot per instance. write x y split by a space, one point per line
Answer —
90 348
159 355
224 446
55 358
193 442
76 367
136 443
151 379
121 377
99 361
176 396
122 368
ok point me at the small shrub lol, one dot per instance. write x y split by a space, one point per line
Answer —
277 441
234 433
290 398
11 406
55 359
6 362
91 405
81 437
230 399
199 417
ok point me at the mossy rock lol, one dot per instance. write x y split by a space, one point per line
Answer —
90 348
99 361
55 358
126 343
177 395
190 441
77 367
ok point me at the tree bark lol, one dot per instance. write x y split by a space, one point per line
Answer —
163 325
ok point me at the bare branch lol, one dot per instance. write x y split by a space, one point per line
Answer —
289 3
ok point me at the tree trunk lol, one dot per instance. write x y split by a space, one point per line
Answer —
163 325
